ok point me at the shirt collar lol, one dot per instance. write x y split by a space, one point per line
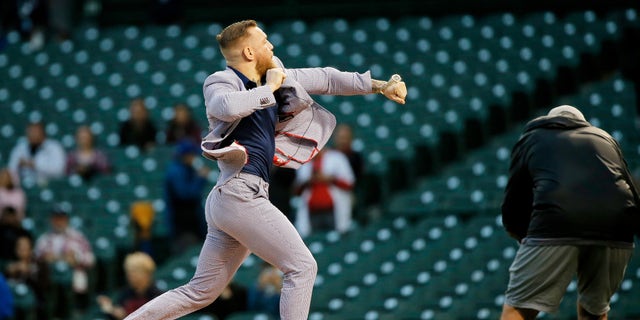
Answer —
248 84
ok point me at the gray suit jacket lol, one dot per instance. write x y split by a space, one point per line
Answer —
303 127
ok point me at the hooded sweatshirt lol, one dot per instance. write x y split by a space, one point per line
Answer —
569 184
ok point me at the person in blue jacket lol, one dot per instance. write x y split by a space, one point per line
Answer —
6 299
183 193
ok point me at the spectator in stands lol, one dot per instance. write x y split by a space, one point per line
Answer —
343 142
139 269
183 126
264 295
183 193
232 299
10 231
67 248
571 204
34 274
139 130
325 186
86 160
37 158
142 217
11 193
6 299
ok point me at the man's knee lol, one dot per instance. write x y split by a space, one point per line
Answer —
305 268
199 295
310 267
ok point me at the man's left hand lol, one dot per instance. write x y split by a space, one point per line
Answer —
396 92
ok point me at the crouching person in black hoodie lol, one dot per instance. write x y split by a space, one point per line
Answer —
571 204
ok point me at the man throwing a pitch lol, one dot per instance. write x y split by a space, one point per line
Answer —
259 113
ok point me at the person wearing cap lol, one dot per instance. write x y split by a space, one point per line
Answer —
571 204
67 248
184 185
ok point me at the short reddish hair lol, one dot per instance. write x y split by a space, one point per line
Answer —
233 32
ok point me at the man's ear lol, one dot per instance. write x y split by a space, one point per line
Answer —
248 53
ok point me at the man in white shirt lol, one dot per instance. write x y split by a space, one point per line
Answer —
37 159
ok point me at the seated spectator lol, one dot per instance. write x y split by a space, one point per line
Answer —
37 159
264 295
184 190
232 299
86 160
142 217
11 193
343 140
67 248
139 268
183 126
139 130
34 274
6 299
10 230
325 185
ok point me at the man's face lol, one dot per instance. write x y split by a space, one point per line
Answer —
257 40
35 134
342 138
138 111
59 223
138 278
182 115
84 138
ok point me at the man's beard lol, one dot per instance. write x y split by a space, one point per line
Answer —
264 64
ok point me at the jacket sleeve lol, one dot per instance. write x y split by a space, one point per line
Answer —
628 177
228 102
518 198
331 81
17 153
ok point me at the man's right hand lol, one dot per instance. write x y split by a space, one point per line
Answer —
275 78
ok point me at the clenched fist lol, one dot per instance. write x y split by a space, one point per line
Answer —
396 91
275 78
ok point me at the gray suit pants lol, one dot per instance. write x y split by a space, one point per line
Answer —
241 220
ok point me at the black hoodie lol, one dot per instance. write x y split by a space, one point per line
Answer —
569 180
